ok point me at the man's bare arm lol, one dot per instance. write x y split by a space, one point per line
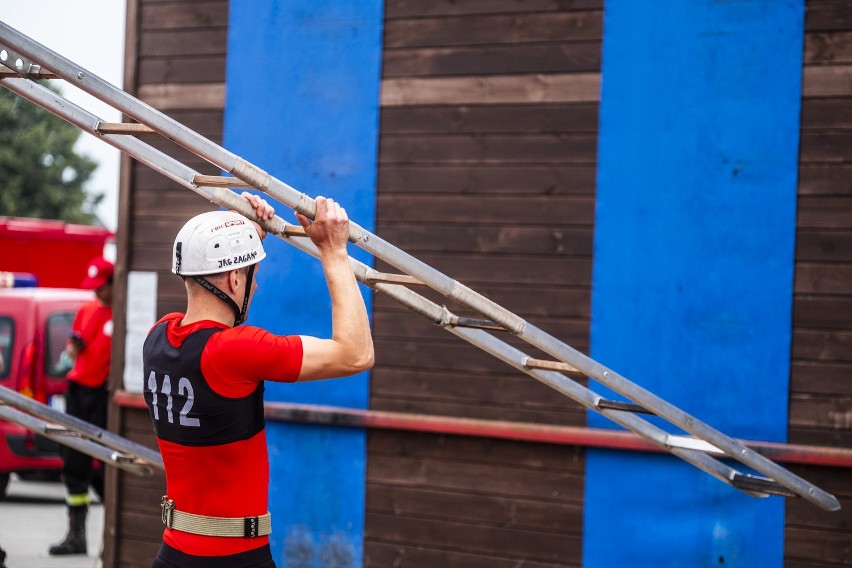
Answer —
350 349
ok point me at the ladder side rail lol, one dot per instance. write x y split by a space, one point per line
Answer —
304 204
85 429
84 445
178 172
678 417
589 398
222 158
122 101
143 152
88 122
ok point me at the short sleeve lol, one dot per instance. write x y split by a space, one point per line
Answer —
236 359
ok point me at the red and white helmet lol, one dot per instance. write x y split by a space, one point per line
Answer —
215 242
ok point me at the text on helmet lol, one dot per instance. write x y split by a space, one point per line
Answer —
238 259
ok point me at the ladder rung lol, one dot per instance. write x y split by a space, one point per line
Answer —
746 482
552 366
475 323
132 128
59 429
34 72
294 231
220 181
690 443
383 277
622 405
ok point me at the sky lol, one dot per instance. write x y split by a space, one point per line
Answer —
91 34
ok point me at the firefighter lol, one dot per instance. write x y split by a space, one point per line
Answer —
88 347
204 374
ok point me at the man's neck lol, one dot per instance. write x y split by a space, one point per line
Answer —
204 310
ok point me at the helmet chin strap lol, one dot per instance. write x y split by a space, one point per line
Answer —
239 314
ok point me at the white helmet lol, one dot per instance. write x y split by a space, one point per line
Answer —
215 242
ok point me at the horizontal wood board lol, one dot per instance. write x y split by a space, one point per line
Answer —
821 356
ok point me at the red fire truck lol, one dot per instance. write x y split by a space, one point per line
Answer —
54 252
42 264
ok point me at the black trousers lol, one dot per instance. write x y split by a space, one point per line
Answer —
89 404
168 557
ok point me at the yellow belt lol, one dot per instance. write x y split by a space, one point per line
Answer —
214 526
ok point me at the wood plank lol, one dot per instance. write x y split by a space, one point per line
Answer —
501 542
140 524
822 312
381 555
820 245
826 145
822 15
535 118
827 478
490 179
815 411
136 553
820 437
825 179
571 244
809 377
801 514
562 57
517 269
571 414
171 43
483 451
510 89
182 15
825 212
393 322
827 81
828 113
207 122
441 356
405 9
492 29
514 389
180 70
494 148
823 278
829 48
822 345
479 509
172 96
828 547
532 210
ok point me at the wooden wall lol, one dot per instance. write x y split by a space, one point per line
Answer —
488 136
821 377
487 171
175 61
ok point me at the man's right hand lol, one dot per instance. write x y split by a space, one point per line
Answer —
329 230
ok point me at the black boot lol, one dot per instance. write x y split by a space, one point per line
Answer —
2 558
75 540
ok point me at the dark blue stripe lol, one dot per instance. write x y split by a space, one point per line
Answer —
693 264
302 103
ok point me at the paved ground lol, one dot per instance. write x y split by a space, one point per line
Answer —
32 517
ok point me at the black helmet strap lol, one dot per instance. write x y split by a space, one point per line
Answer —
239 314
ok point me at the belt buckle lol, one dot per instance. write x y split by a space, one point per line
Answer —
168 507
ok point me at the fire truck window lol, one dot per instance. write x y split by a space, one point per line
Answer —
58 326
7 334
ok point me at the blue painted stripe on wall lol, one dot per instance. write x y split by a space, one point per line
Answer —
302 103
693 264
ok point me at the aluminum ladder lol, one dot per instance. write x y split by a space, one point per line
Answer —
28 62
77 434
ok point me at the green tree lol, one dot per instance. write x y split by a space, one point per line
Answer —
40 175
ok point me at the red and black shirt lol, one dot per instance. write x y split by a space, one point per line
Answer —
92 328
204 389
